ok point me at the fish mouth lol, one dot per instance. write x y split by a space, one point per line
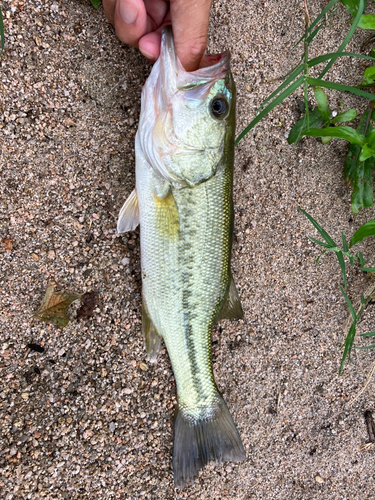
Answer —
213 67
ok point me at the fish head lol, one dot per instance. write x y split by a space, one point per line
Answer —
188 118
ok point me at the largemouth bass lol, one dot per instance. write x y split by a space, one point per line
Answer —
183 203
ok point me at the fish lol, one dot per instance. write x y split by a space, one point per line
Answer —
183 202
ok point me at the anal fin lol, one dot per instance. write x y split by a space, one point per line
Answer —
128 218
232 308
152 338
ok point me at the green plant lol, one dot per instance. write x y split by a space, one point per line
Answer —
319 121
95 3
365 231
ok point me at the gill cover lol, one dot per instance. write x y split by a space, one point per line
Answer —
179 135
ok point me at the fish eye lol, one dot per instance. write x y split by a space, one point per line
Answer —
219 107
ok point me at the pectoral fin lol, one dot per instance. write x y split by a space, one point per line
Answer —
128 218
232 308
152 338
166 215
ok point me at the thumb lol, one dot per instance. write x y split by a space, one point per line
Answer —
130 20
190 24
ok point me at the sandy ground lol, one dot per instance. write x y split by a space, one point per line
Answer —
90 417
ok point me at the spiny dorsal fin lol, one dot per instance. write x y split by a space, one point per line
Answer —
232 308
128 218
152 338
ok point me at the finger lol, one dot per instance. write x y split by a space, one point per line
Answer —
130 21
156 13
149 44
190 24
109 10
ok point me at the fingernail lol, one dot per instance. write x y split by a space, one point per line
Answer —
148 55
128 11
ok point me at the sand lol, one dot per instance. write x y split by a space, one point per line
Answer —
90 417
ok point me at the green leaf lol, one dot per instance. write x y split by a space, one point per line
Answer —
313 34
315 120
272 105
362 195
368 269
322 101
333 56
370 138
338 86
325 140
340 132
319 228
364 231
368 334
352 6
363 300
352 158
325 245
95 3
350 305
322 14
367 22
361 259
366 347
340 258
293 74
348 36
347 116
366 153
54 306
346 248
344 242
348 344
369 76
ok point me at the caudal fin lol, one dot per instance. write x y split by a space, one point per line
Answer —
197 442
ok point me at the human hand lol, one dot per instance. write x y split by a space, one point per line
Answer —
140 22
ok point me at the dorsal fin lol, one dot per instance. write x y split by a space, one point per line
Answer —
128 218
232 308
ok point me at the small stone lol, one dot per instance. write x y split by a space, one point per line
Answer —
319 479
143 366
88 434
125 261
69 123
25 396
112 427
127 390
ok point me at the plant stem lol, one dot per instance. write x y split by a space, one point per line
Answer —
306 60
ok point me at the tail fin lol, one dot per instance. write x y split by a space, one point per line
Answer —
197 442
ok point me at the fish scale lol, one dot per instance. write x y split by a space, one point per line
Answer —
183 203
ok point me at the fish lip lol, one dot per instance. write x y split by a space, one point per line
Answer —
212 67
